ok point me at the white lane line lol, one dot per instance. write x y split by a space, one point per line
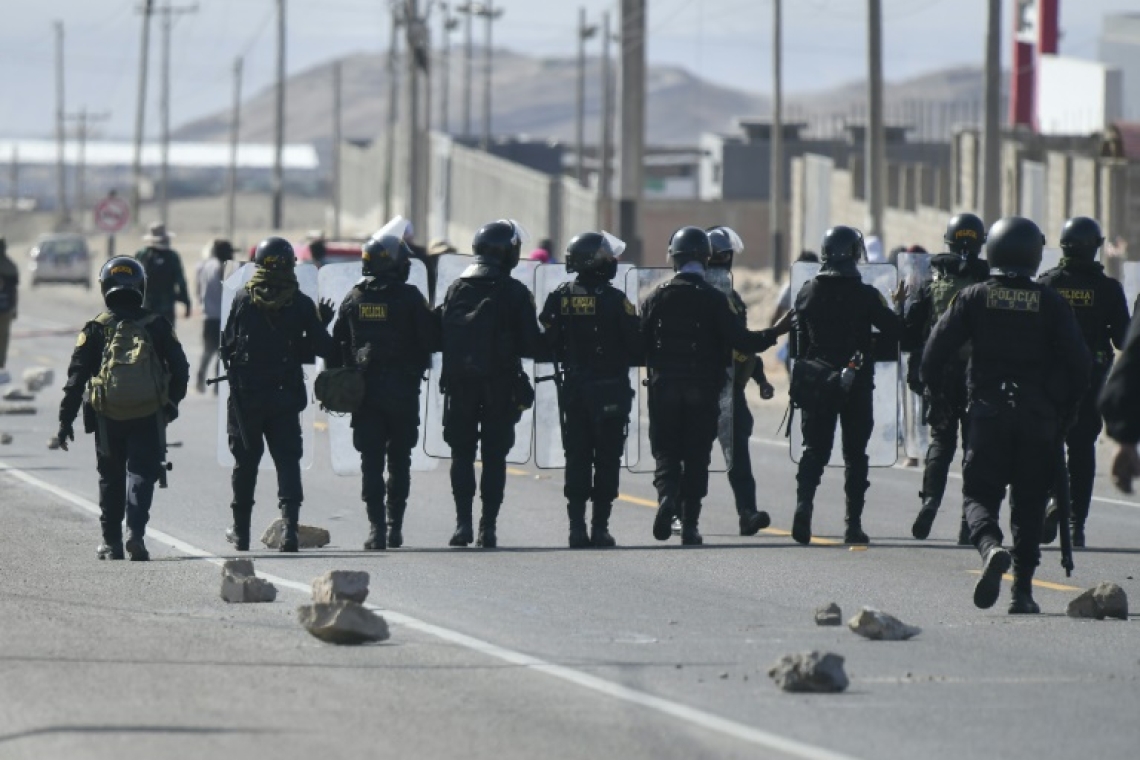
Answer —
954 475
692 715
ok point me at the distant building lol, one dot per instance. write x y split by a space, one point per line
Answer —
1120 48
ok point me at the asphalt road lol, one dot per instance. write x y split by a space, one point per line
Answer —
534 650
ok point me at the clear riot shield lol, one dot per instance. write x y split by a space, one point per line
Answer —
548 451
307 279
335 282
641 282
882 449
1131 282
449 267
914 272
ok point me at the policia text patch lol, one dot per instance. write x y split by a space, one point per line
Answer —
377 312
1012 299
579 306
1078 298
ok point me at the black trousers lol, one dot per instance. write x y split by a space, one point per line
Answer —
1081 445
129 461
593 449
271 419
211 337
683 418
385 437
1014 446
944 436
740 458
856 414
480 418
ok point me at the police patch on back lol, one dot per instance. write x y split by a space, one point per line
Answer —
374 312
1083 298
579 306
1013 299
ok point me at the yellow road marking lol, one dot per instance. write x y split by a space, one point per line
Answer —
516 471
1042 584
814 539
321 425
652 504
637 500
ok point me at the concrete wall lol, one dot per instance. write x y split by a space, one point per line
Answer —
661 218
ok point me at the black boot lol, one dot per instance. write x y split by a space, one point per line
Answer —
1052 521
396 525
663 521
854 533
488 523
752 521
995 562
690 517
291 541
801 520
238 533
464 534
1021 598
112 549
136 548
579 536
1078 534
600 526
377 540
925 519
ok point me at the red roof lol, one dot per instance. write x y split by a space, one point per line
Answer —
1127 137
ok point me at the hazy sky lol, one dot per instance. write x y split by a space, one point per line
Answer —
727 41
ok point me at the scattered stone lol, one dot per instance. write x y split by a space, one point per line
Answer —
829 615
341 585
38 378
241 586
1106 600
53 443
5 438
879 626
17 409
816 672
310 537
723 676
15 394
342 623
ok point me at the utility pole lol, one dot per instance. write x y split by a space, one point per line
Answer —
168 13
450 24
874 137
416 32
776 189
279 125
585 32
14 183
140 110
393 108
490 15
468 10
606 173
235 128
633 35
991 137
83 121
336 148
63 214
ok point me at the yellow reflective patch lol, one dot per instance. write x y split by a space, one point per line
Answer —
1083 299
629 309
740 358
376 312
122 269
1013 299
579 306
81 340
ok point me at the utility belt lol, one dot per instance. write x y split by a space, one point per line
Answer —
815 384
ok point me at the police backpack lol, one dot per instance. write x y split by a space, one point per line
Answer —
132 381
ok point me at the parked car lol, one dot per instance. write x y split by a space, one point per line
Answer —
336 251
61 258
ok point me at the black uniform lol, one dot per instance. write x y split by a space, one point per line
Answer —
592 330
386 327
1102 312
689 332
1029 367
1120 398
166 281
833 320
485 402
265 348
128 452
947 413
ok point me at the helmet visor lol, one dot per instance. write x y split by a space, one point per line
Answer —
616 244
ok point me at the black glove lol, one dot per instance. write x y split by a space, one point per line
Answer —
187 314
769 339
938 411
767 391
66 433
170 411
326 310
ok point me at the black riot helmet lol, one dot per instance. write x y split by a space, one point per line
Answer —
689 244
386 256
726 245
841 251
1013 247
123 282
1081 238
591 253
965 235
275 253
498 243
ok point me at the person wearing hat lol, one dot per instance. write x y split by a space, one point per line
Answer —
166 280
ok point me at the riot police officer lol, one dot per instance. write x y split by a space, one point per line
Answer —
726 245
135 374
1028 370
1102 312
272 331
951 272
488 324
688 332
834 314
593 333
386 329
